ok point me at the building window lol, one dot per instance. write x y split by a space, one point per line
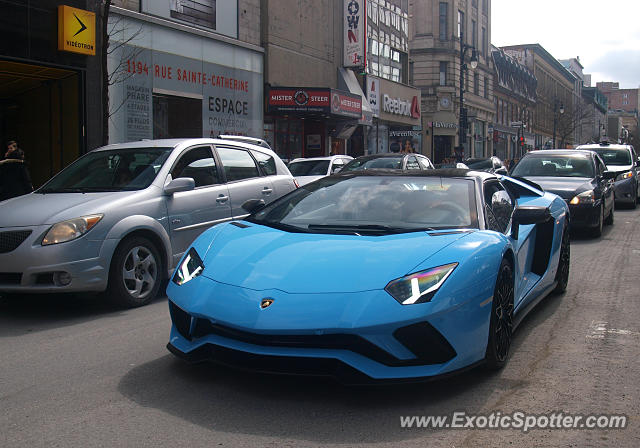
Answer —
486 87
484 50
474 3
443 73
485 8
476 84
460 23
200 12
474 34
444 19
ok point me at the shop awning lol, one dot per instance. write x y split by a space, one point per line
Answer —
347 81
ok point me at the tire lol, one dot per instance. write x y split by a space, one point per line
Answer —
136 273
501 322
562 274
609 220
597 231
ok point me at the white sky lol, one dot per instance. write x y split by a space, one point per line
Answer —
605 34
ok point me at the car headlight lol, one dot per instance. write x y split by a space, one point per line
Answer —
623 176
70 230
586 197
421 286
190 267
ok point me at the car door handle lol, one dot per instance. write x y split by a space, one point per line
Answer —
267 190
222 199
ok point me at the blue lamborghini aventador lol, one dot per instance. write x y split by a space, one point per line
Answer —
372 275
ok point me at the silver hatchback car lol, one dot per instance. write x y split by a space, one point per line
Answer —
120 217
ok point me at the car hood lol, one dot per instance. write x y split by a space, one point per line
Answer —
261 258
565 187
38 209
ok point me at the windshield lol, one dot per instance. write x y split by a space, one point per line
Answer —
115 170
574 165
309 168
374 205
479 164
375 163
615 156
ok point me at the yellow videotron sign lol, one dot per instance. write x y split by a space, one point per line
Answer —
76 30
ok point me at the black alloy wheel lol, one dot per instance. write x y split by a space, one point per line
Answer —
501 324
562 275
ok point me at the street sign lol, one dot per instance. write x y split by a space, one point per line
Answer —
515 124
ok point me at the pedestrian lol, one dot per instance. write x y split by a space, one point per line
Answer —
14 175
12 145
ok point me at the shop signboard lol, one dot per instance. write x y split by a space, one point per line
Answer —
373 95
76 30
355 24
305 100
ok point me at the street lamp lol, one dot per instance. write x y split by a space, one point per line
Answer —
556 102
462 124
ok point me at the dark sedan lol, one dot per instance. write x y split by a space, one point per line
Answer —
394 160
489 164
579 177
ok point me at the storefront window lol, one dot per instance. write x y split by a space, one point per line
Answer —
176 117
378 139
285 137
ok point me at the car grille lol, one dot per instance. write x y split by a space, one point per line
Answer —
11 240
436 351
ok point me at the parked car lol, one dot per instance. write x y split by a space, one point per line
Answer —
579 177
623 160
394 160
120 217
414 274
489 164
313 168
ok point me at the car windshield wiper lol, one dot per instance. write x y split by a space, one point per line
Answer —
366 228
277 225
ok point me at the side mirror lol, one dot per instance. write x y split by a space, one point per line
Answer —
528 215
254 205
609 174
179 184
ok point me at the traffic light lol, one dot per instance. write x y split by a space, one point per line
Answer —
521 141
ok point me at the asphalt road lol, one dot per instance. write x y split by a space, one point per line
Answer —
76 373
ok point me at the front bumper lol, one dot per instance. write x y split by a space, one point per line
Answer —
585 216
33 268
625 191
367 334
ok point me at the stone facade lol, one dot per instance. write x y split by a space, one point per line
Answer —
555 92
434 63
